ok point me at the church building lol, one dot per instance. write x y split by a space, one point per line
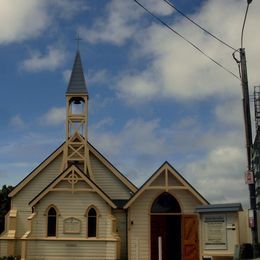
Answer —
77 205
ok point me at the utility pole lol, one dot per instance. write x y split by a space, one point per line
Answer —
248 132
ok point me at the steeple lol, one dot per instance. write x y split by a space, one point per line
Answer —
76 146
77 83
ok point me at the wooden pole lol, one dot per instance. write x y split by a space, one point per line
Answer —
248 135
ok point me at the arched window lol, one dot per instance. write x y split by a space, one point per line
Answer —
92 222
52 222
166 203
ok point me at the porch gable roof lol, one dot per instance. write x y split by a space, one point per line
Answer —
168 171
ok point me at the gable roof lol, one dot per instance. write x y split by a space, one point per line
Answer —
113 169
58 152
36 171
72 175
77 83
178 182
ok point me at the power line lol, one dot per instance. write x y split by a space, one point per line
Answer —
195 23
185 39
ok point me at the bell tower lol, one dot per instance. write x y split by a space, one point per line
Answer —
76 146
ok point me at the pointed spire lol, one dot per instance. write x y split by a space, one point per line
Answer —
77 83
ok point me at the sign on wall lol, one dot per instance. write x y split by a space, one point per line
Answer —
215 232
72 225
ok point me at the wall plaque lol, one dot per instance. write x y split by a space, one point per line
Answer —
72 225
215 232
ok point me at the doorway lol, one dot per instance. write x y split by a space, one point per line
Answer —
166 226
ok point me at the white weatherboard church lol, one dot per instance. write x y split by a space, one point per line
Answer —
77 205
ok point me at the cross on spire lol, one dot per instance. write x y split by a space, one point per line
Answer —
78 39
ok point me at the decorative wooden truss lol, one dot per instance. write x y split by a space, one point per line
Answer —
76 148
72 180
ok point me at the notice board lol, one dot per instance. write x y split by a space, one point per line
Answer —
215 231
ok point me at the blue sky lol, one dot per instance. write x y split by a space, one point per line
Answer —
152 96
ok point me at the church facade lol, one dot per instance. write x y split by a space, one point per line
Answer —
77 205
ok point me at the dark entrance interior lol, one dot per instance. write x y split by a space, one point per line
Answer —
169 229
166 223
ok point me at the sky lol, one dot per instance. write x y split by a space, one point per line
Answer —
152 96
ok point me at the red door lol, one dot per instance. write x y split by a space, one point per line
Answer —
190 237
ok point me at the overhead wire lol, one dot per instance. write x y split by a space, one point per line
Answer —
195 23
185 39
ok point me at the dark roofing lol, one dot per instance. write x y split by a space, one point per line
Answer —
77 83
120 203
228 207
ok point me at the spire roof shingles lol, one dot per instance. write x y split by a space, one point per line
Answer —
77 83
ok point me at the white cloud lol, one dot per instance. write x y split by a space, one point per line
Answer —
98 102
55 116
98 77
136 148
32 144
31 149
158 7
116 27
137 137
211 158
20 20
175 70
120 24
230 112
66 10
51 60
103 123
66 75
220 175
17 122
138 88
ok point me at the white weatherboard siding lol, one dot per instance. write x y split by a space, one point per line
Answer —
21 200
108 182
18 245
73 205
38 183
186 200
139 220
88 250
22 222
3 248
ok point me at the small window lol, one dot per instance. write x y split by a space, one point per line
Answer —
52 222
92 223
166 203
